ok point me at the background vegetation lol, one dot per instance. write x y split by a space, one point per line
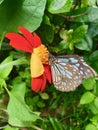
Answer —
65 27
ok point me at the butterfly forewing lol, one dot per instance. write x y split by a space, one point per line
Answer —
68 72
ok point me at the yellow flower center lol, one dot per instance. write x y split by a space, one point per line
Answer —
43 53
38 58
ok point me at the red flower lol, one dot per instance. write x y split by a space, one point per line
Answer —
40 68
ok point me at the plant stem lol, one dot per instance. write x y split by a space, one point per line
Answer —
71 17
7 90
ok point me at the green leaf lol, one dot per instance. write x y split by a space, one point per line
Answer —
92 28
6 71
1 1
87 98
96 90
85 44
97 2
62 45
76 36
15 62
90 127
94 56
27 13
93 108
92 2
17 80
40 104
96 102
44 96
84 3
47 20
10 128
59 6
79 33
48 35
89 83
95 65
2 82
89 14
63 34
19 113
95 119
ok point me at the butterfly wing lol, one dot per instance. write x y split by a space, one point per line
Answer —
68 72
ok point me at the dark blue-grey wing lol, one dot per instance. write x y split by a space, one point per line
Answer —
68 72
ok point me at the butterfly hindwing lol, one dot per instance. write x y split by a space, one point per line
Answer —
68 72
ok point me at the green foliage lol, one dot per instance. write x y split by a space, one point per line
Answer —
86 98
56 124
94 56
20 115
5 72
21 13
1 1
65 27
90 99
84 3
90 127
60 6
87 14
89 83
10 128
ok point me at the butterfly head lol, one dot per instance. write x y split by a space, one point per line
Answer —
52 58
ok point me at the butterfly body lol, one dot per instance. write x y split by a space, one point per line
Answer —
68 71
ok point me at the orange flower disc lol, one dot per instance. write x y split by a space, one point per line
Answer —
43 53
38 58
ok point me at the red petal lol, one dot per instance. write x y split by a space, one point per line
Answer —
37 83
48 74
43 83
33 39
19 42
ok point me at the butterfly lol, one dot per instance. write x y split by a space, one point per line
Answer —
68 71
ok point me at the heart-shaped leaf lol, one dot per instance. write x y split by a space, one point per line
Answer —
27 13
19 113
